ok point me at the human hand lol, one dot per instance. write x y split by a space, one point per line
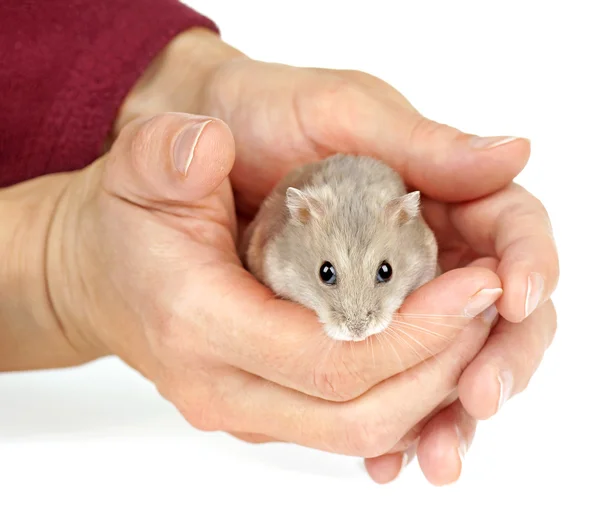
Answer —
141 263
283 116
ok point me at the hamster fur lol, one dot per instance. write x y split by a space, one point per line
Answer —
353 213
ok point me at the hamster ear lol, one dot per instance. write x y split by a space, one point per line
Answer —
302 206
405 208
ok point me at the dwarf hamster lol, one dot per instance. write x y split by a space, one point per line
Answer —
344 238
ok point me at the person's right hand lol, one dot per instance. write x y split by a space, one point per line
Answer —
142 263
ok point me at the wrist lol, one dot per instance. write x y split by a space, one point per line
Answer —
32 337
175 81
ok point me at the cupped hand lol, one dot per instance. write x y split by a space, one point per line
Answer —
142 263
283 116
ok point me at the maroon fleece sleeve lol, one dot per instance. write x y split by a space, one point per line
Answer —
65 68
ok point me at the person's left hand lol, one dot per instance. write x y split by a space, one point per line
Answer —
283 116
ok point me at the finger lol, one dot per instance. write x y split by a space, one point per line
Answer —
506 364
290 348
170 161
449 165
443 444
440 161
387 467
453 251
412 436
368 426
487 262
377 87
514 226
253 438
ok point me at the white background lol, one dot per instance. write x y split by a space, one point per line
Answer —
99 439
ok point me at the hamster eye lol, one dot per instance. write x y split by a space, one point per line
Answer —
384 273
327 273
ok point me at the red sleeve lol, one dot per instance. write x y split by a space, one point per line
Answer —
65 68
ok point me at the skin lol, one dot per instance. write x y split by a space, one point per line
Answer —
471 199
355 213
130 225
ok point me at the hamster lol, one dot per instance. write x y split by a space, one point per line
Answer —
343 238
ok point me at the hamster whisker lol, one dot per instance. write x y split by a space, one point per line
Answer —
404 341
409 346
445 325
384 349
399 319
402 314
370 343
387 340
424 330
431 353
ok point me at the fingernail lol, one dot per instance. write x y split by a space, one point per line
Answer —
482 300
489 315
185 144
535 287
404 461
410 453
408 456
462 444
489 142
505 379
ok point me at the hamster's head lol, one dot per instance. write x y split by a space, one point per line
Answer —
355 262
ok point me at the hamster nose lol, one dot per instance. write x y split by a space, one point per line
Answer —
357 327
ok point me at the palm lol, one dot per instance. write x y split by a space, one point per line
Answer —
170 240
294 117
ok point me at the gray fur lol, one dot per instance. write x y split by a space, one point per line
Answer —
355 224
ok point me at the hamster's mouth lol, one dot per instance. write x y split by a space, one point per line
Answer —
344 334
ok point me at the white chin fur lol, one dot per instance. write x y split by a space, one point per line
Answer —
340 333
336 333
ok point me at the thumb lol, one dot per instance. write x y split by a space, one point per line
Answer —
449 165
368 116
170 159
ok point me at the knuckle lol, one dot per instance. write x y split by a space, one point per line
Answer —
343 94
368 436
201 405
346 84
204 415
143 140
425 129
174 334
168 342
360 77
523 206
